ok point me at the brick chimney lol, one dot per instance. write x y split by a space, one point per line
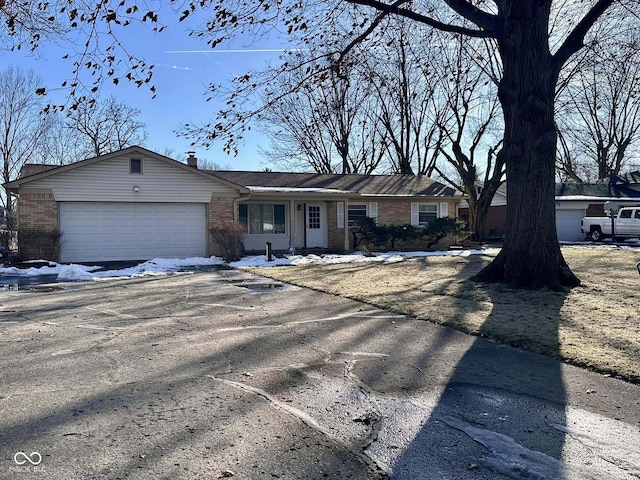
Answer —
192 160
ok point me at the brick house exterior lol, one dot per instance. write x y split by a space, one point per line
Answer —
38 220
135 204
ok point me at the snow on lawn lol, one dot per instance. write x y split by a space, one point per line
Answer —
75 272
163 266
389 257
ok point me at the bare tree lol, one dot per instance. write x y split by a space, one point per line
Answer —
325 126
23 126
60 144
471 130
534 41
107 126
600 116
404 73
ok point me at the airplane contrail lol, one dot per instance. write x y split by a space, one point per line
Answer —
247 50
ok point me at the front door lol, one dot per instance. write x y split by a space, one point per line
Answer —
315 225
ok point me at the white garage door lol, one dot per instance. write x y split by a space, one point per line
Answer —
131 231
568 225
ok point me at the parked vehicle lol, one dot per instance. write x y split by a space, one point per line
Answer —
626 225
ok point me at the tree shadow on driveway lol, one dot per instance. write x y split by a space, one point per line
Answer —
497 408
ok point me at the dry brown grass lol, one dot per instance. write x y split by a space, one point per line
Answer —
596 325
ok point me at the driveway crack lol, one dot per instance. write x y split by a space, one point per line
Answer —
307 420
372 419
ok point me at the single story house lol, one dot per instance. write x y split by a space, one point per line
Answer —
577 200
135 204
573 202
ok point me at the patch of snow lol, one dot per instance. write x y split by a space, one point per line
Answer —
163 266
388 257
75 272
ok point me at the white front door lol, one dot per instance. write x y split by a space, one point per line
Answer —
316 225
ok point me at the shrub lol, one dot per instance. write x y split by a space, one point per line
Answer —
439 228
366 232
228 237
36 243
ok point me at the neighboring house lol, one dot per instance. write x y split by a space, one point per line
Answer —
136 204
577 200
496 216
573 202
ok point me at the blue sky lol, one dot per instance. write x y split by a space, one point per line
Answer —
181 73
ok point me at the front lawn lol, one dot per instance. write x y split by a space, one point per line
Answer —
596 325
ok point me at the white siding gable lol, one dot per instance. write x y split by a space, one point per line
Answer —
110 181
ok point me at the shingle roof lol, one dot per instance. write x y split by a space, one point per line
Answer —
34 168
392 185
631 177
595 190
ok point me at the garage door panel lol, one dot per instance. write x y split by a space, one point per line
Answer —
128 231
568 224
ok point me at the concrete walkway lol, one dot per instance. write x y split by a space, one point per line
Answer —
227 375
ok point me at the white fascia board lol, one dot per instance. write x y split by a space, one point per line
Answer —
591 198
410 195
291 190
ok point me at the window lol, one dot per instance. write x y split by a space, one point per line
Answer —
356 212
314 217
135 165
423 213
262 218
625 213
427 213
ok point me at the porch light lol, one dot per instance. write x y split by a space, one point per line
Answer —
136 188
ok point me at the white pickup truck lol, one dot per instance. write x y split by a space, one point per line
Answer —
627 225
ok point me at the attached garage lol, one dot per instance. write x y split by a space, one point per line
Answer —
133 204
93 231
568 224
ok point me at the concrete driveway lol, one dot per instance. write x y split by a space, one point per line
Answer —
227 375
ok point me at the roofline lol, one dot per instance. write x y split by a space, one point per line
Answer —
16 184
457 194
579 198
296 191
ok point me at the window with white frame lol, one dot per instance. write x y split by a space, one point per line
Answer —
358 211
423 213
261 218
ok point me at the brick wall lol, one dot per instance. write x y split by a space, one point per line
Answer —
394 212
496 219
220 212
595 210
38 234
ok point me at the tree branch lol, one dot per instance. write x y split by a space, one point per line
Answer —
484 20
575 41
488 31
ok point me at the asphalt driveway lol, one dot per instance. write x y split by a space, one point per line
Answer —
223 374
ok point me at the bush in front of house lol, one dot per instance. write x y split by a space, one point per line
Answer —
228 237
34 243
366 233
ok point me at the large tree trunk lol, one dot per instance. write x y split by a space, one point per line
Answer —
531 256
